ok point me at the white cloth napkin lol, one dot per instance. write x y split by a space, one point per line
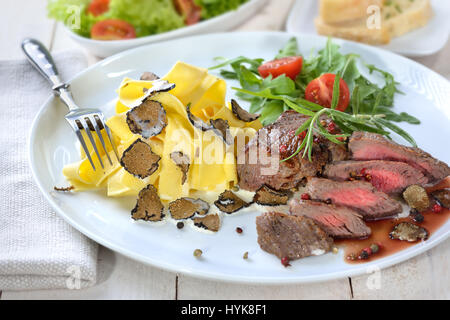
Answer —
38 250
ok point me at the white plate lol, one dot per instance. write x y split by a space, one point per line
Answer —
421 42
220 23
107 221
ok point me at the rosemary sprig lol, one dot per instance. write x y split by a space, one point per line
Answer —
370 106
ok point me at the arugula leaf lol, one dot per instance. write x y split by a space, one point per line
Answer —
336 89
289 50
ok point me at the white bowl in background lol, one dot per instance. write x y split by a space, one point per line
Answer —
224 22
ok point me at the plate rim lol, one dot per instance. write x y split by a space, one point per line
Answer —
268 280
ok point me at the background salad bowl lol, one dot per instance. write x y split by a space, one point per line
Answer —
220 23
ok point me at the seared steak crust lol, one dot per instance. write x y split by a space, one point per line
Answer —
338 221
291 236
357 195
372 146
387 176
279 140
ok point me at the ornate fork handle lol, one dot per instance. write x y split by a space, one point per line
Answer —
42 60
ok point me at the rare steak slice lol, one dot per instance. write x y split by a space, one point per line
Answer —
357 195
259 163
338 221
372 146
387 176
291 237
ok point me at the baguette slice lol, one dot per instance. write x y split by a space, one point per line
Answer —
397 18
337 11
356 31
412 17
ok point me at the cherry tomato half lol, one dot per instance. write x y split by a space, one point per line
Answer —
112 29
189 10
98 7
290 66
320 91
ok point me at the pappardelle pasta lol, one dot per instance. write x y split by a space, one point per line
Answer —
213 165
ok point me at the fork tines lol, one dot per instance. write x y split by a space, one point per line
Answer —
93 121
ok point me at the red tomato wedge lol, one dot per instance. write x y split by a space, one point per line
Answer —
112 29
320 91
290 66
98 7
189 10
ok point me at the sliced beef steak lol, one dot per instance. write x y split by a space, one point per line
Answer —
358 195
387 176
259 163
291 236
338 221
372 146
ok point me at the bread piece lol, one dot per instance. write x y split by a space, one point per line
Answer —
356 31
337 11
413 15
397 18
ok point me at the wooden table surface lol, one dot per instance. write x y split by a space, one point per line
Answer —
424 277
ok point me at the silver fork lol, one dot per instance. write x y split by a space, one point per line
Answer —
80 119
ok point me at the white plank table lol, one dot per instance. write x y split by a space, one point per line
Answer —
424 277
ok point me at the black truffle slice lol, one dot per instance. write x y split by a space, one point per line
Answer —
443 197
267 196
407 231
149 206
230 203
183 162
186 208
196 121
140 160
242 114
149 76
210 222
148 119
222 129
417 198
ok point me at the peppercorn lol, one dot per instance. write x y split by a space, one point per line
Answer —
285 262
437 208
180 225
328 201
283 148
305 196
418 217
374 247
368 177
239 230
245 256
198 253
352 257
331 127
364 255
